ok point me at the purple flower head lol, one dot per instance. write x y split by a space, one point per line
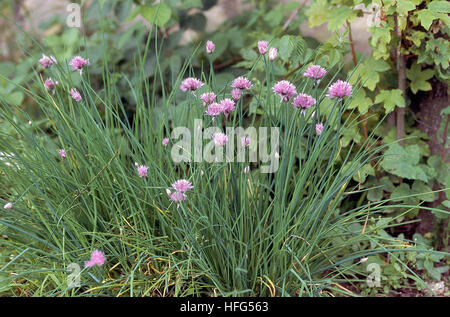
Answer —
241 83
182 185
220 139
319 128
191 84
165 141
46 61
272 54
339 89
62 153
236 94
208 97
176 197
315 72
49 84
214 109
97 258
262 47
78 63
245 141
285 90
142 170
227 106
304 101
8 206
210 47
75 94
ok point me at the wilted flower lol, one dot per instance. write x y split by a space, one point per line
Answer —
75 94
210 47
241 83
214 109
304 101
285 90
315 72
220 139
236 94
262 47
319 128
49 84
272 54
97 258
182 185
8 206
62 153
46 61
142 170
245 141
208 97
339 89
165 141
191 84
227 106
78 63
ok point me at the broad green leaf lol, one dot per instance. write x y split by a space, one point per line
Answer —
339 16
419 78
317 13
424 190
439 6
403 162
390 99
404 6
285 47
426 17
360 101
375 194
158 14
369 71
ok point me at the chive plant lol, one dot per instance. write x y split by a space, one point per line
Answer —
87 187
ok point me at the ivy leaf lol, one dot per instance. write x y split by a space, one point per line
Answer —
339 17
439 6
317 13
369 71
360 101
426 17
403 6
391 98
403 162
419 78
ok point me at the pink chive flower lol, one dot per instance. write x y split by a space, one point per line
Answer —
210 47
246 169
191 84
241 83
245 141
75 94
8 206
227 106
304 101
182 185
319 128
339 89
46 61
78 63
207 98
165 141
62 153
315 72
142 171
285 90
220 139
214 109
97 258
176 197
236 94
262 47
50 85
272 54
